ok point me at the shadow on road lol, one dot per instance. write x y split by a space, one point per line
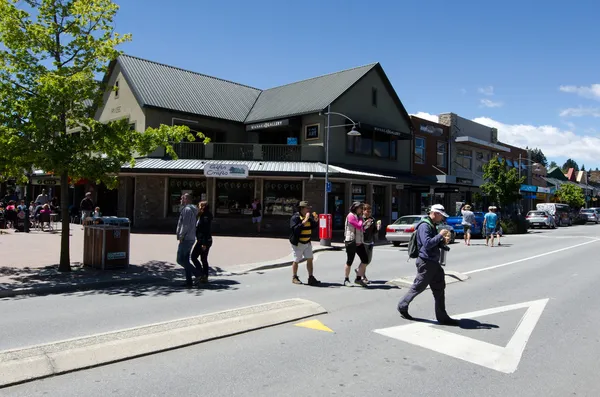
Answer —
463 323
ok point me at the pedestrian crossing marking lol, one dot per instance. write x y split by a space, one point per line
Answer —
314 324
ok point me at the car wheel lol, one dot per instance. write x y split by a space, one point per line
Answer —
396 243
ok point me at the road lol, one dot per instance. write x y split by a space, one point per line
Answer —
547 346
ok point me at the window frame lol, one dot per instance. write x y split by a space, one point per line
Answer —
420 159
465 157
393 147
444 153
374 97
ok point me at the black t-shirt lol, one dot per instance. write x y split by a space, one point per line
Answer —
369 232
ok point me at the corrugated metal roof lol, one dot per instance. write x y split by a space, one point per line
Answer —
253 166
305 96
176 89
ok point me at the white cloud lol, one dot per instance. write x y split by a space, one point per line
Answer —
555 142
489 90
580 112
487 103
427 116
593 91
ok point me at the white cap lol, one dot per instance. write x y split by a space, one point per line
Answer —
439 209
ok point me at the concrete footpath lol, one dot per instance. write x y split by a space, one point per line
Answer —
28 262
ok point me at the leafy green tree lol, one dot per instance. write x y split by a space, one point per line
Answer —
502 184
570 163
50 53
537 156
571 194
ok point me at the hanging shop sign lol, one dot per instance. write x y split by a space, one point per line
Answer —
226 171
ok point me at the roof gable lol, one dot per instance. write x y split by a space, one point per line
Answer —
167 87
306 96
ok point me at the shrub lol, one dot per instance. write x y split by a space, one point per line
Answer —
514 226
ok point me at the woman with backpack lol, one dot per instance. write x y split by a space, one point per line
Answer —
354 242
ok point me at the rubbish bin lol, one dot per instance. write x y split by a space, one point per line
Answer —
106 243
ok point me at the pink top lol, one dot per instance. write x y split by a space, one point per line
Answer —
354 221
44 211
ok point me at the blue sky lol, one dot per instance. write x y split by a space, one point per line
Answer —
527 68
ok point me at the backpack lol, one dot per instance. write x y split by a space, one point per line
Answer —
413 246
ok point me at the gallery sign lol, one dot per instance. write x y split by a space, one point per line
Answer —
430 129
267 124
226 171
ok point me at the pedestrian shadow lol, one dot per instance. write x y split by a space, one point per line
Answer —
323 284
381 284
463 323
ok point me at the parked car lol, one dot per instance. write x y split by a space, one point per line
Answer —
456 223
540 219
400 231
589 215
560 212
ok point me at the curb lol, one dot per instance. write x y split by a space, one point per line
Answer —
451 278
42 361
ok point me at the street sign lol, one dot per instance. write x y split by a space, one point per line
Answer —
503 359
328 187
292 141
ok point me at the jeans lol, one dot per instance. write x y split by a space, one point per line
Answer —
183 259
203 254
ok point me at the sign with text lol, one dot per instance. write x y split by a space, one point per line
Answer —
226 171
46 181
311 132
267 124
430 129
292 140
541 189
529 188
464 181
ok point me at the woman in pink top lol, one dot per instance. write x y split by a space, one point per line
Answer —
354 241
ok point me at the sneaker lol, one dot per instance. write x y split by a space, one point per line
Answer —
296 280
404 314
313 281
360 281
347 282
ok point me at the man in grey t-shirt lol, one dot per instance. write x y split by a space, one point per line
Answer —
186 235
467 222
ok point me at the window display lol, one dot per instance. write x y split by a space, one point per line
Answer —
234 197
180 186
282 197
359 193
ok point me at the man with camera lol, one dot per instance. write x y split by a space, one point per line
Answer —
429 269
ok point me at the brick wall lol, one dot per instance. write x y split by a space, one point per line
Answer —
149 202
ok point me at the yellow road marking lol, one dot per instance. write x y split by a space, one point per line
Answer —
314 324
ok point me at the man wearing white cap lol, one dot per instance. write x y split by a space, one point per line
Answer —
429 271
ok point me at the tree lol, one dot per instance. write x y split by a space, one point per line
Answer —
571 194
582 167
570 163
502 184
552 165
50 53
537 156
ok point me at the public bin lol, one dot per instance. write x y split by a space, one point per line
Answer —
325 229
106 243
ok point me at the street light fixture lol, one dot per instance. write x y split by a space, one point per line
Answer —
352 132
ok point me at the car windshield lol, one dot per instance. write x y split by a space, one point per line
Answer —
587 211
408 220
537 213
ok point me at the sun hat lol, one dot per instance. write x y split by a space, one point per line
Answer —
439 209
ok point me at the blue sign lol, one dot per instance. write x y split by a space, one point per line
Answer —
529 196
292 141
529 188
328 187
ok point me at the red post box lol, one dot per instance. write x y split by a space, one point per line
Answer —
325 229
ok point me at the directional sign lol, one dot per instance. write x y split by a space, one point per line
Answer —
503 359
328 187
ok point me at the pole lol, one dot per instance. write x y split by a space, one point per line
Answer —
327 242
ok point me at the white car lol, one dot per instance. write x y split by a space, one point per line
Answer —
540 219
400 231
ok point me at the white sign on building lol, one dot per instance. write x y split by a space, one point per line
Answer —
226 171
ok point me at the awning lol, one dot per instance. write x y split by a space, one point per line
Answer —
481 144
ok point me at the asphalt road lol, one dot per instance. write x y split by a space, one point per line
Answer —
548 346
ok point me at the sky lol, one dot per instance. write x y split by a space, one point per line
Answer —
529 68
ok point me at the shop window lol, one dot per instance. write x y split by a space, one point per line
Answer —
464 158
359 193
374 144
379 201
442 154
181 186
282 197
234 197
419 150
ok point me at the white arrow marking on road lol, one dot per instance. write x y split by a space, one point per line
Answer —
502 359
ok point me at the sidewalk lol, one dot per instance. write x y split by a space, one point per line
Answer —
28 263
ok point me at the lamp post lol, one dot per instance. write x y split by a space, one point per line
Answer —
352 132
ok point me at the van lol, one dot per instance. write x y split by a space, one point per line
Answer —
559 211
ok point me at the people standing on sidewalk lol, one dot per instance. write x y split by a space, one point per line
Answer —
302 225
468 221
257 214
186 235
355 244
370 228
86 206
489 225
203 241
429 270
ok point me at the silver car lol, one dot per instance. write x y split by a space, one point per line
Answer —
590 215
400 231
540 219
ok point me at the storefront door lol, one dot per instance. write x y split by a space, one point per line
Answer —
337 205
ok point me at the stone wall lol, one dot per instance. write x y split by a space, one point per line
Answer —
149 201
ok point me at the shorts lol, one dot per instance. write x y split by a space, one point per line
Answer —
466 228
352 250
302 251
490 231
256 219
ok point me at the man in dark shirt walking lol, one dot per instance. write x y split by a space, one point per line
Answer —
429 271
302 225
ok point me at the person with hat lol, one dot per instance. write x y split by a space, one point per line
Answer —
302 224
467 222
429 271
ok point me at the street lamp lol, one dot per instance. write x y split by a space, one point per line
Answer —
352 132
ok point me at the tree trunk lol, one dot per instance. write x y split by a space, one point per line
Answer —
65 257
